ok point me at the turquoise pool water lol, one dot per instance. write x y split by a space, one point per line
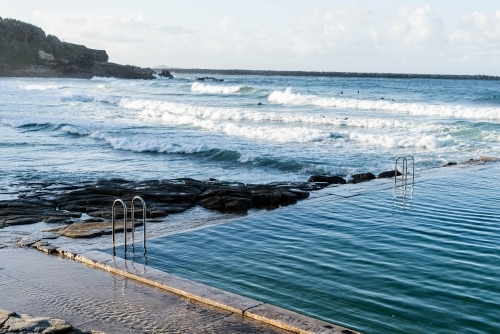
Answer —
366 262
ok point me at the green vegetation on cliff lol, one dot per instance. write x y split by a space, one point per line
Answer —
21 42
25 51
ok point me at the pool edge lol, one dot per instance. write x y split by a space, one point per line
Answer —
244 306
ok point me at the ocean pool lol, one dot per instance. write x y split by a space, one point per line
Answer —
370 262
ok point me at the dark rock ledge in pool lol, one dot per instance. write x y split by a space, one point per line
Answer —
64 204
11 322
84 209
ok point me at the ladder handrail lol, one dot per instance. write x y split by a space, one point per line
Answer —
124 222
413 166
132 208
404 170
396 170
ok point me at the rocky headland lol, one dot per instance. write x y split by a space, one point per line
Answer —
26 51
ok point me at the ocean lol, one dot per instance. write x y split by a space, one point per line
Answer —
78 130
369 260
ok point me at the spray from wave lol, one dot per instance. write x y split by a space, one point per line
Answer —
211 89
220 120
155 108
453 111
40 87
422 141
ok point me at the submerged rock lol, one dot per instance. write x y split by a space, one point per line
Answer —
94 229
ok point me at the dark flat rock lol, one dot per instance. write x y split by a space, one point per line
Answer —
363 177
388 174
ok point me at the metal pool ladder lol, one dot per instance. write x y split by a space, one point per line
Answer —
404 171
119 201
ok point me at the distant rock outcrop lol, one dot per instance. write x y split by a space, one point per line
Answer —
166 74
25 51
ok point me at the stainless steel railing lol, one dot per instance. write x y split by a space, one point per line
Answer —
125 212
404 171
143 219
124 222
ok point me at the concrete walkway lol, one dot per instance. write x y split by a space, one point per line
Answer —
90 299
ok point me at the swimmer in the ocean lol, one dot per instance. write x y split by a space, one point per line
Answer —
259 104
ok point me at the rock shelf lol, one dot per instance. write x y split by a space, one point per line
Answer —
83 210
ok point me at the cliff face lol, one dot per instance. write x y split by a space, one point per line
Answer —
25 51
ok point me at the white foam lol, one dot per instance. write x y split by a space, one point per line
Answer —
39 87
212 89
147 144
104 79
155 108
422 141
93 98
223 120
75 130
453 111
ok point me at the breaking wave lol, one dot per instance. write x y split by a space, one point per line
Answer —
156 108
203 88
453 111
403 141
40 87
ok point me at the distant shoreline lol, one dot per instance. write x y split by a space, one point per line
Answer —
333 74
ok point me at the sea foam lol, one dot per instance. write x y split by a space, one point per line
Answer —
422 141
40 87
152 108
203 88
453 111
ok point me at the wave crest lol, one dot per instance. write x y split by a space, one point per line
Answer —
212 89
429 142
419 109
39 87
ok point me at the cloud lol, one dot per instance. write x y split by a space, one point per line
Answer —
336 30
227 24
477 29
418 26
340 37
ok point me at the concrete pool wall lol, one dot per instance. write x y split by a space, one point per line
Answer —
266 313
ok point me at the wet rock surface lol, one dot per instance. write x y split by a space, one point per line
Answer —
390 173
84 210
11 322
363 177
327 179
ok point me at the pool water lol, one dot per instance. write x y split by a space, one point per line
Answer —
369 262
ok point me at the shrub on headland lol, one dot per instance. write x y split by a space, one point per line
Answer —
21 42
25 51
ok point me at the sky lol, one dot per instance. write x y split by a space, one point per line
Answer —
442 37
